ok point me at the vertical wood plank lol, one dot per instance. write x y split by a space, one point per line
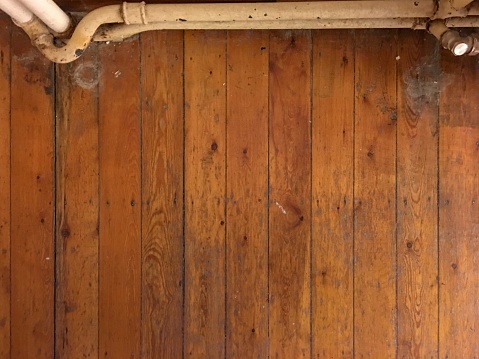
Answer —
120 242
459 208
77 208
32 250
417 145
162 194
247 210
332 194
5 285
375 195
290 193
205 149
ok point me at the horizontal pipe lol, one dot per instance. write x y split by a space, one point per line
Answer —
138 13
121 32
138 17
50 13
19 13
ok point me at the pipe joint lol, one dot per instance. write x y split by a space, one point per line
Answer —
134 13
454 42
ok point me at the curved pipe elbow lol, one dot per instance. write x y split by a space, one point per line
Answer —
82 35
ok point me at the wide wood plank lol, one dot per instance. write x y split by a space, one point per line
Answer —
32 198
459 208
120 196
5 285
162 194
375 196
332 194
290 193
205 190
247 181
417 146
77 208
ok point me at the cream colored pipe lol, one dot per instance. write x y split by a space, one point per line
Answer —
117 33
138 17
19 13
49 12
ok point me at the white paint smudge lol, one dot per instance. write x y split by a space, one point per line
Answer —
280 207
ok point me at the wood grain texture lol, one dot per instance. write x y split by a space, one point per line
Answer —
247 210
290 193
120 196
77 208
162 194
32 209
205 191
332 194
375 196
5 285
459 208
417 146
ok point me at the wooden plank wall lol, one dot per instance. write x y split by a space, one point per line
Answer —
244 194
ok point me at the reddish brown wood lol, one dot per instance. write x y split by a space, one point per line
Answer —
247 181
417 141
458 208
32 202
162 194
120 201
290 193
5 183
332 194
375 196
205 171
77 208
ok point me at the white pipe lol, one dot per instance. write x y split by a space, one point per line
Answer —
19 13
50 13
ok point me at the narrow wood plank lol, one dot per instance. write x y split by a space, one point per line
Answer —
290 193
205 149
77 208
120 194
162 194
247 210
332 194
417 145
32 198
5 285
375 196
459 208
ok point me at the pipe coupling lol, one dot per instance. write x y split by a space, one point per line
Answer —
134 13
460 45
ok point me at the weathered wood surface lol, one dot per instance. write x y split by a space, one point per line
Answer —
375 302
247 182
417 241
458 208
162 194
5 187
77 208
120 201
32 201
205 192
239 194
332 194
